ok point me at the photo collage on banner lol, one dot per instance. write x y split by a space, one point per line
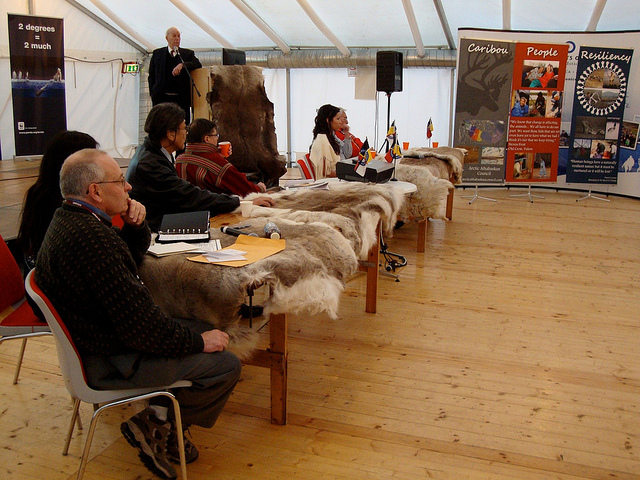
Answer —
37 81
483 91
535 110
597 128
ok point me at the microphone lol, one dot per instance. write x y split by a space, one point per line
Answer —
235 232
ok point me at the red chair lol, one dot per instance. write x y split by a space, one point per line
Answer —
17 320
306 167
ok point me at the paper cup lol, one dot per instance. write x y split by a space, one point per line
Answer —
246 206
224 148
405 145
435 144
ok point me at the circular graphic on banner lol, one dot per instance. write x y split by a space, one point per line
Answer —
601 88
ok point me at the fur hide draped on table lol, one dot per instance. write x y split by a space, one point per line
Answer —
353 208
432 170
325 233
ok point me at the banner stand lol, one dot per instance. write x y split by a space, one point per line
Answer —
588 195
528 194
476 196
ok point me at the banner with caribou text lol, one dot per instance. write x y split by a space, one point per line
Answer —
602 79
485 68
535 110
37 81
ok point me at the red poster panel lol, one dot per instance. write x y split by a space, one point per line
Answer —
534 117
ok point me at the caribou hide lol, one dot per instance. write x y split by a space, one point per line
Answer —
431 170
244 116
308 276
325 232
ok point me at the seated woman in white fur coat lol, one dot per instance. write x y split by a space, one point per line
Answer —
325 149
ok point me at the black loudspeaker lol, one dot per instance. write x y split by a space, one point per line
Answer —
388 71
233 57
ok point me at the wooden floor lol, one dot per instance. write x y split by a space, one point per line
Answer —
510 350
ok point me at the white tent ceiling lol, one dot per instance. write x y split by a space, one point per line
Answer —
344 25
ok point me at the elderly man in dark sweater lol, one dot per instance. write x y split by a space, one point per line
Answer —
88 269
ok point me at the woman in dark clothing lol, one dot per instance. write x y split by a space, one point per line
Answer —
43 198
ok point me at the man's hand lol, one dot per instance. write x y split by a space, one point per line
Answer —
135 214
262 187
215 341
176 71
264 201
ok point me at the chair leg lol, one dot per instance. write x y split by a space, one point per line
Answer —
87 442
19 365
78 420
74 414
178 417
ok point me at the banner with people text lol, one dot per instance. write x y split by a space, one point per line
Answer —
602 78
484 87
36 48
534 117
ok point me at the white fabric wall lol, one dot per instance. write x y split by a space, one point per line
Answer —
426 93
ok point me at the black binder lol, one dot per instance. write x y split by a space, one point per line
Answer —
184 227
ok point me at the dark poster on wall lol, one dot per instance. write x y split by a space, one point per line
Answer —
485 68
37 81
602 77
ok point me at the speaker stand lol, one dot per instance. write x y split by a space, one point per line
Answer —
386 140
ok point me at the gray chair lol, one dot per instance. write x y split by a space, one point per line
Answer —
75 380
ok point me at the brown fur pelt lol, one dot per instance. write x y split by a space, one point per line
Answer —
443 162
244 116
353 208
309 275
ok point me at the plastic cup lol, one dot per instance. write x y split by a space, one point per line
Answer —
405 145
224 148
435 144
246 206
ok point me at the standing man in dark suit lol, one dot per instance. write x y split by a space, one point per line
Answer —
169 69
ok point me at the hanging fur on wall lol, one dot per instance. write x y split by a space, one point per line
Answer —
244 115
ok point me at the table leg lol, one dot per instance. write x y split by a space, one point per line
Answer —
276 359
422 235
278 345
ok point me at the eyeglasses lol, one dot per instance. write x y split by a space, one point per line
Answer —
121 181
217 135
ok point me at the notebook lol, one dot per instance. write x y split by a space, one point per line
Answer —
184 227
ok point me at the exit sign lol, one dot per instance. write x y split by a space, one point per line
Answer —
130 67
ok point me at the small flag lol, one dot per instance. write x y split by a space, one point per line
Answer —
391 134
429 129
364 149
363 158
